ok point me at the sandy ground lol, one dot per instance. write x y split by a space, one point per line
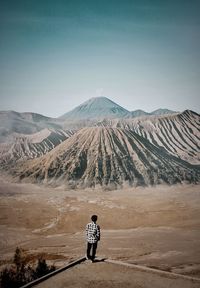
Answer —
157 227
113 276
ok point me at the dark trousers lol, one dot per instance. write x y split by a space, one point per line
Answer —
93 247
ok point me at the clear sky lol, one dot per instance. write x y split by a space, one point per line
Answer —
56 54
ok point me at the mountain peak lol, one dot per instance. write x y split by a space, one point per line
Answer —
96 108
98 98
162 111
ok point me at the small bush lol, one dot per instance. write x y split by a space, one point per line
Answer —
42 268
9 277
19 259
20 273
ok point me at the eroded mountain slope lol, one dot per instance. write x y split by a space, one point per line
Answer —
31 146
108 156
178 133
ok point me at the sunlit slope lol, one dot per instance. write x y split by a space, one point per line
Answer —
108 156
25 147
179 134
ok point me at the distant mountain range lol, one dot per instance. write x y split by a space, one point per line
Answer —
97 108
102 107
12 122
101 143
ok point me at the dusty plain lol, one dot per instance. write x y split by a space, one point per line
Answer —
157 227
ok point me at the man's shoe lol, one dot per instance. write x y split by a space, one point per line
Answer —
92 260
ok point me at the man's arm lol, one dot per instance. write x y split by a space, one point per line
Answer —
86 230
98 233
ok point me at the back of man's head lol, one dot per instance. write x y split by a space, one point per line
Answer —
94 218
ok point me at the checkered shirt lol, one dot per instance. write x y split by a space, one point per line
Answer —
92 232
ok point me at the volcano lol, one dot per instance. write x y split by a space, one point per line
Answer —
97 108
108 157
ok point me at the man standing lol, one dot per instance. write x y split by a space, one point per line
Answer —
93 236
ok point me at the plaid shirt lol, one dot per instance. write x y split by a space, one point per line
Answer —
92 232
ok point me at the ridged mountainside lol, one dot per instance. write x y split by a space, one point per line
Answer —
108 156
31 146
178 133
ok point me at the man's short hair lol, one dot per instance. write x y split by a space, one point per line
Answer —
94 218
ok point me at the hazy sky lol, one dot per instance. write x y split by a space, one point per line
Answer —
55 54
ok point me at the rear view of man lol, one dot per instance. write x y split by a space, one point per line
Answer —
93 236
